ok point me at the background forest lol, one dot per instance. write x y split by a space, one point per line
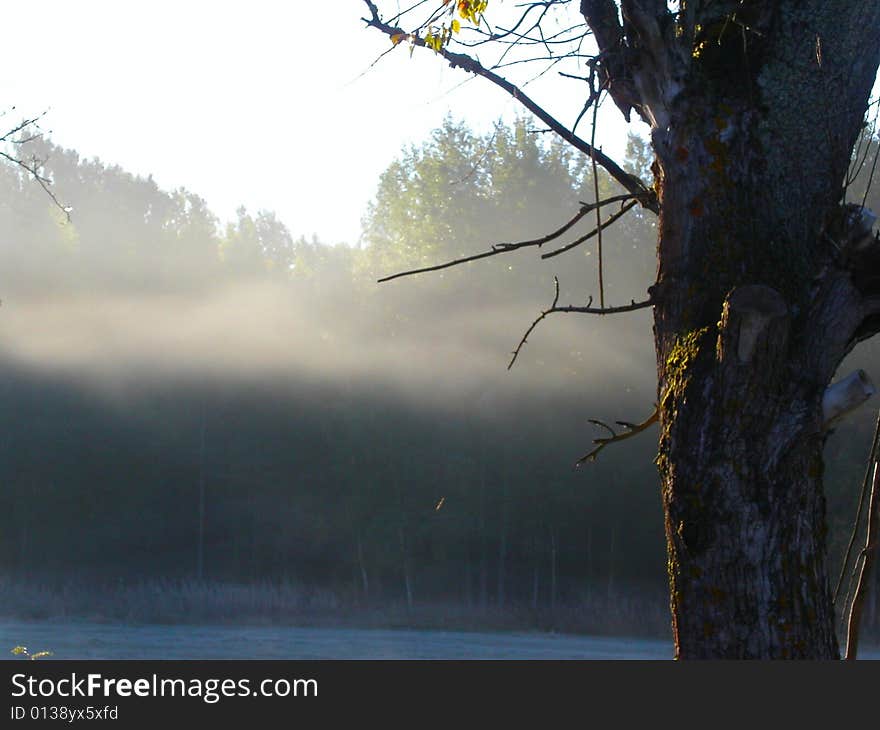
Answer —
219 419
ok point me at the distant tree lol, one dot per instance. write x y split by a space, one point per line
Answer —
126 232
442 199
766 278
256 245
427 201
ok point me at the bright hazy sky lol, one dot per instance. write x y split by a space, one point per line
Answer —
261 103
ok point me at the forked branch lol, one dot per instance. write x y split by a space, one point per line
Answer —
32 167
873 456
25 131
554 308
500 248
872 537
632 429
596 231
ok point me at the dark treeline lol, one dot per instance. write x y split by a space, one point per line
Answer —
185 399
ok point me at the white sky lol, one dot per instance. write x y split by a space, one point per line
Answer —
260 103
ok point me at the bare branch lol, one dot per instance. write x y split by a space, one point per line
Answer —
446 265
631 430
873 456
500 248
525 337
28 130
9 135
554 308
33 168
610 221
603 18
598 205
412 7
503 35
630 183
871 539
873 169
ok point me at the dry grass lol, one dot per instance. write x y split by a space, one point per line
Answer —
621 613
287 603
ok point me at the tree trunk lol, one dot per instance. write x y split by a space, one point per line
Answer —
200 550
758 300
362 566
535 584
484 546
552 570
609 583
405 566
500 596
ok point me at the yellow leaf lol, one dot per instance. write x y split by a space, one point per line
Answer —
398 37
456 26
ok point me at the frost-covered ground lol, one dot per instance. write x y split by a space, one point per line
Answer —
121 641
81 640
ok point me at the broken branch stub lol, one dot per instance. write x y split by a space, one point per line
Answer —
846 395
754 317
860 223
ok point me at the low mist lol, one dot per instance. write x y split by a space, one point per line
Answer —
258 331
191 400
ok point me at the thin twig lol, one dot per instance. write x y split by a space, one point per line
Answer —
525 337
871 538
33 165
42 181
850 588
487 148
598 206
631 430
23 124
873 456
556 309
624 209
873 170
592 98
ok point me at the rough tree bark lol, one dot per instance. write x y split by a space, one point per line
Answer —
765 282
